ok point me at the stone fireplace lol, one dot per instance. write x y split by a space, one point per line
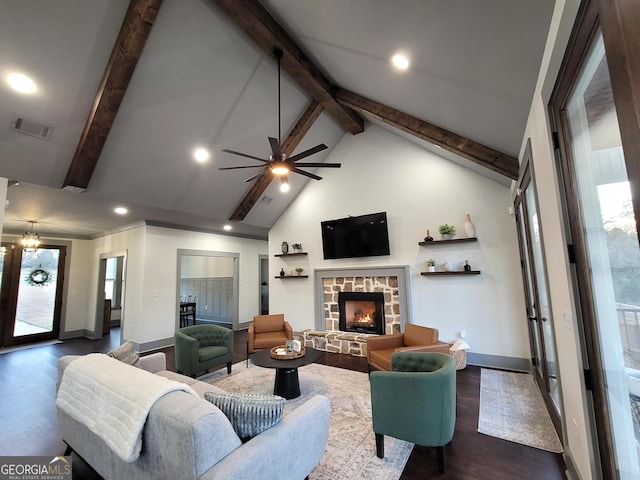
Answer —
391 284
361 312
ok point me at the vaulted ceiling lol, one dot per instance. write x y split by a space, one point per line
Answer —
200 73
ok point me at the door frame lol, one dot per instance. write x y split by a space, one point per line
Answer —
236 282
617 20
102 270
9 295
526 179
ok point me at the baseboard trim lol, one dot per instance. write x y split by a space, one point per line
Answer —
497 361
154 345
76 334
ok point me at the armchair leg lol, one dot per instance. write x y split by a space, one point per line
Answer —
440 455
229 368
68 451
380 445
247 354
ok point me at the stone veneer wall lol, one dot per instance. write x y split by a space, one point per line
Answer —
392 281
388 285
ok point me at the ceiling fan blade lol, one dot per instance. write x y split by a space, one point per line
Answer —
253 177
306 153
275 147
306 174
241 166
245 155
332 165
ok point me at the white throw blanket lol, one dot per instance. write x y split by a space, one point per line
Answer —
112 399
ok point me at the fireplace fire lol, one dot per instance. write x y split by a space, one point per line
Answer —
361 312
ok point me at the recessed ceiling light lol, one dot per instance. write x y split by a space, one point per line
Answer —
400 61
121 210
201 155
21 83
227 227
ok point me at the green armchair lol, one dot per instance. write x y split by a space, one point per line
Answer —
201 347
415 401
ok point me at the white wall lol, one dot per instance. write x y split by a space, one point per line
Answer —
419 190
150 290
576 418
206 267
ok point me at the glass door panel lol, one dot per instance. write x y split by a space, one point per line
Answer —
31 294
612 273
542 296
36 292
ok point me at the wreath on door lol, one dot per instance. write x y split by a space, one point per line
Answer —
38 277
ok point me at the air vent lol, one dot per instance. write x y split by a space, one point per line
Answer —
31 127
266 200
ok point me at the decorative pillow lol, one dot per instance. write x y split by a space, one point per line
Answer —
125 353
249 414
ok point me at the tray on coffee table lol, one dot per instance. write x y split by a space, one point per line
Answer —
285 356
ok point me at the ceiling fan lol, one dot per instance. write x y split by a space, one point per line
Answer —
278 163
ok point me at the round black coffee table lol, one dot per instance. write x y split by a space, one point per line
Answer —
286 384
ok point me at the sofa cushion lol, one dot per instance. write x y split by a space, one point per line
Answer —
382 358
125 353
207 353
268 340
249 414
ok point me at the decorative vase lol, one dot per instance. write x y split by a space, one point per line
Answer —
428 238
450 267
282 272
285 247
469 227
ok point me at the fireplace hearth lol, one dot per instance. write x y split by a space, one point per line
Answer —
361 312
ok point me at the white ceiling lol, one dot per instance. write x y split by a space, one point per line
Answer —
201 82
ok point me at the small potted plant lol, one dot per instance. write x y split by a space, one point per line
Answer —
431 265
447 231
299 270
297 247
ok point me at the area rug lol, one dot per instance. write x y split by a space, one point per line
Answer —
351 448
512 408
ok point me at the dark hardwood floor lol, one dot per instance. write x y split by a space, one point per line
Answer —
29 426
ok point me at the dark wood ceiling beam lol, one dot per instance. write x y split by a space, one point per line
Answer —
476 152
290 143
251 17
137 23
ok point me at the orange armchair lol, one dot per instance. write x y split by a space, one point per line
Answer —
415 338
268 331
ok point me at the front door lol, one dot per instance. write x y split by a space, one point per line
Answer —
31 293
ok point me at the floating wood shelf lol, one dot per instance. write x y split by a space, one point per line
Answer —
297 254
453 240
458 272
292 276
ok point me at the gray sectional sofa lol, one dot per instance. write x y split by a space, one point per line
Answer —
186 437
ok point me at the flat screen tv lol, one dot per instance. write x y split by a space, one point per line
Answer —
363 236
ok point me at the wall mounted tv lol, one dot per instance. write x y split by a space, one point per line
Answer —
363 236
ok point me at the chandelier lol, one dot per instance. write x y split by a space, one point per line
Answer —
30 240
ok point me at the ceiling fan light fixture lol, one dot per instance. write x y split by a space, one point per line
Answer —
279 168
284 184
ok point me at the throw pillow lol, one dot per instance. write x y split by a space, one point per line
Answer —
249 414
125 353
